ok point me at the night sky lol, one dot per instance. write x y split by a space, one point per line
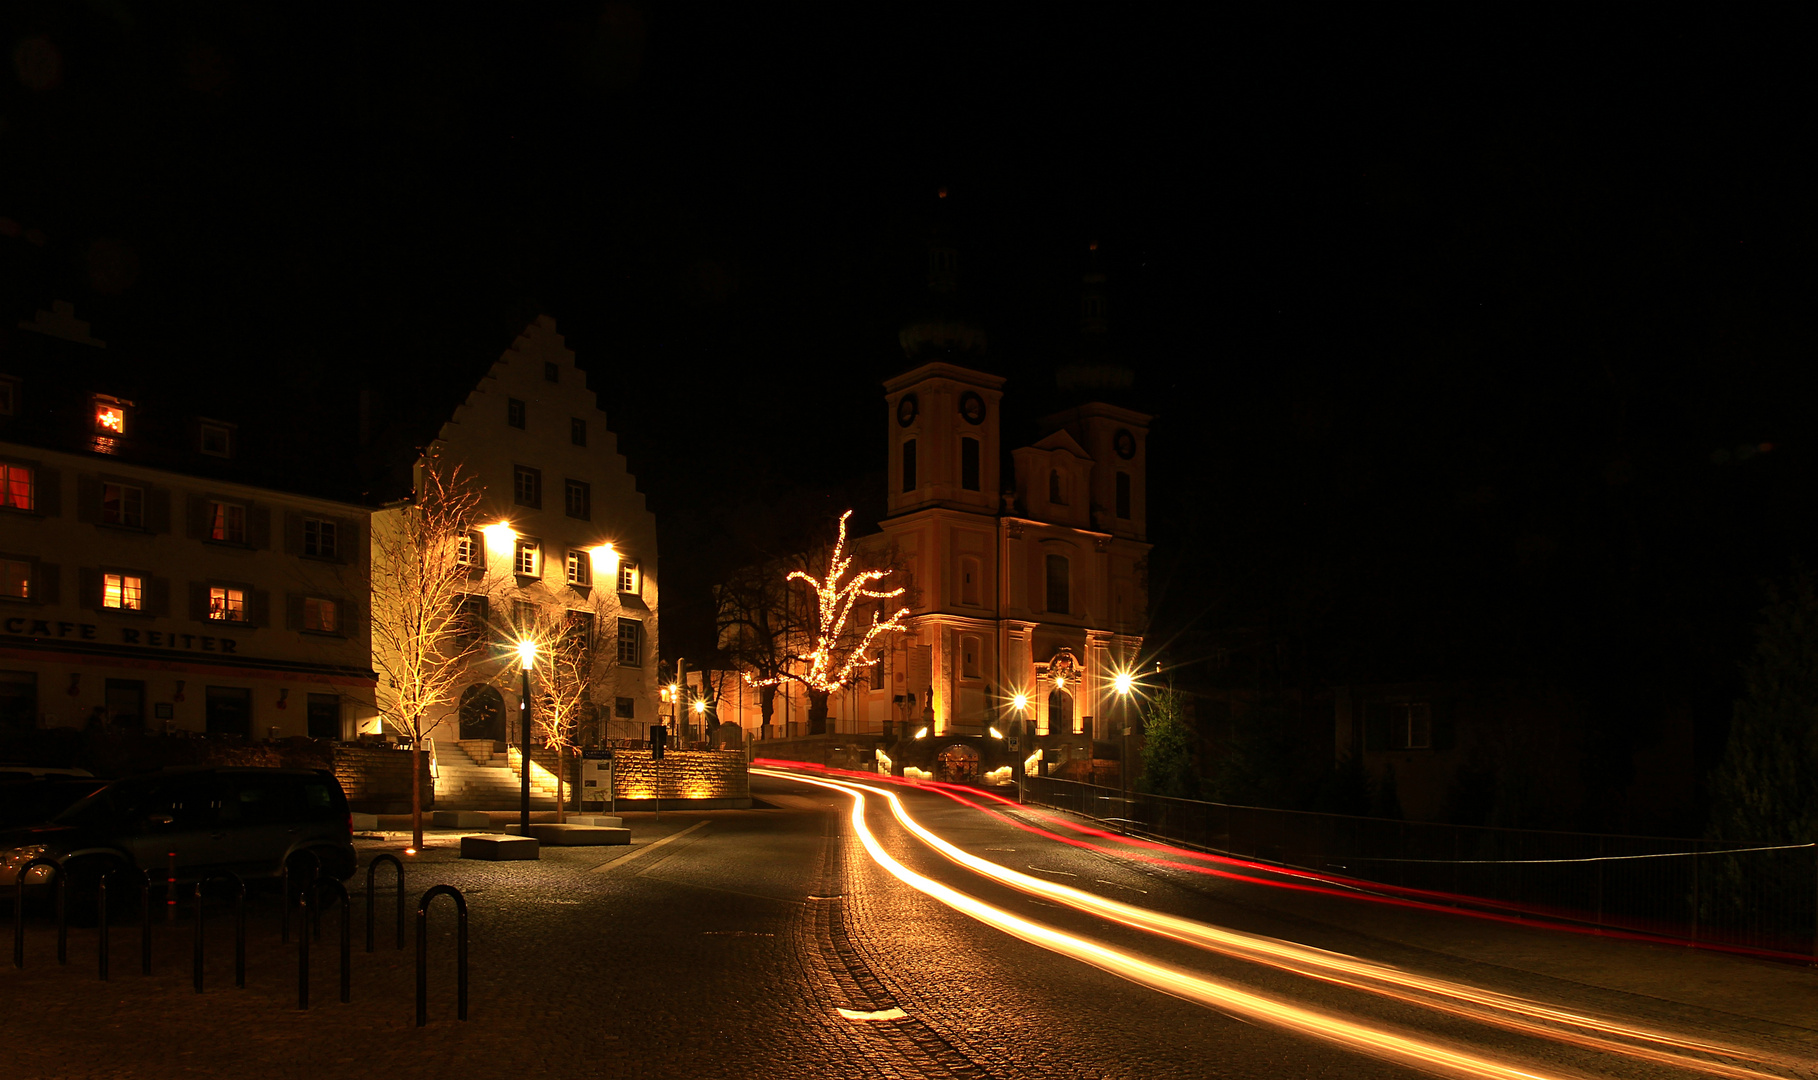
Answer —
1480 344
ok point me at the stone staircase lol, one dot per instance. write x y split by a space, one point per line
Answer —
472 775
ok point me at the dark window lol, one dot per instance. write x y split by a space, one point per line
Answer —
216 441
577 431
229 711
123 505
18 700
969 583
909 465
514 412
877 672
126 703
470 620
1057 584
552 371
319 537
625 707
1123 496
969 464
527 486
577 630
579 499
1057 494
324 716
16 579
631 643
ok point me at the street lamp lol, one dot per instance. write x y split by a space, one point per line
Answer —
1020 702
1123 682
527 658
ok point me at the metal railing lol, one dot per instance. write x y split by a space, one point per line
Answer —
1752 897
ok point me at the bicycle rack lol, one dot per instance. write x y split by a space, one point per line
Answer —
239 930
145 936
62 881
315 872
371 869
346 933
423 950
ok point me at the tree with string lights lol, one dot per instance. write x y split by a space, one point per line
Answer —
838 643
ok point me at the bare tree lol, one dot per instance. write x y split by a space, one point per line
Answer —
760 628
837 635
422 564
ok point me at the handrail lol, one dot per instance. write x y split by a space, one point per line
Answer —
239 927
371 869
423 950
145 945
62 884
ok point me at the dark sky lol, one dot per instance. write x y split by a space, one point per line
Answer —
1456 322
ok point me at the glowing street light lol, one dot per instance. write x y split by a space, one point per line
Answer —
1123 682
527 658
921 733
996 734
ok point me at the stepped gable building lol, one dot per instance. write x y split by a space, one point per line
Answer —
163 569
564 536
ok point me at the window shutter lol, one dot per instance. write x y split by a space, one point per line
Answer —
349 537
196 526
157 598
88 499
258 607
293 533
50 492
48 583
89 580
258 526
1444 729
1376 725
293 611
350 617
157 510
198 601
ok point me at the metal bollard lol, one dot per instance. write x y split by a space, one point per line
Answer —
284 887
19 912
303 955
239 927
346 933
423 950
371 869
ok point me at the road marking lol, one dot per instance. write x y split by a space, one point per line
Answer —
646 849
1115 885
1045 870
881 1014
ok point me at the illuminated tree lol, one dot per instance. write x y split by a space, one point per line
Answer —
838 643
421 641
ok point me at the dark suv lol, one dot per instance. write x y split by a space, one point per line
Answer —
245 820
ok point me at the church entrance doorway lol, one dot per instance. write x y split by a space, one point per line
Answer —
957 764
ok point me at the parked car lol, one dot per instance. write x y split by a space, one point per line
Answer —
249 821
33 801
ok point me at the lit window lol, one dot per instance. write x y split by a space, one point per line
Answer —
514 412
631 643
467 551
577 431
580 567
226 605
15 579
123 592
527 486
321 615
227 522
628 577
579 499
123 505
110 416
216 440
529 559
17 490
319 538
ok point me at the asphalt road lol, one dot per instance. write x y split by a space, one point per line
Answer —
727 944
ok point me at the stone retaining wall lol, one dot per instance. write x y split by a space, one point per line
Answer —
377 779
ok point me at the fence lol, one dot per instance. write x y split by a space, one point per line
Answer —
1744 896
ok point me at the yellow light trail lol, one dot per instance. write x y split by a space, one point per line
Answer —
1418 1053
1485 1006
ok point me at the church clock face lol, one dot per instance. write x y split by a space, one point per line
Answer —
1124 443
972 407
906 410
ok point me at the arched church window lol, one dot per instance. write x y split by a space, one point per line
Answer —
1057 488
969 465
908 465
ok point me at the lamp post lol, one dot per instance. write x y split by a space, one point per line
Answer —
1122 682
1020 702
527 658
